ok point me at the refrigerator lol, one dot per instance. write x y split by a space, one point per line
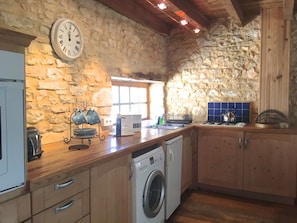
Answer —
12 121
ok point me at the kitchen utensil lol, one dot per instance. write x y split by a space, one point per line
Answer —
34 143
85 132
92 117
271 118
229 117
79 117
266 125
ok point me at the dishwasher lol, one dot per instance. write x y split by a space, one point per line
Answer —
173 169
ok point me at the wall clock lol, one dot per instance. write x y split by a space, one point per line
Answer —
66 39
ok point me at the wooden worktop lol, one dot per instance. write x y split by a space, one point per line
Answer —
58 161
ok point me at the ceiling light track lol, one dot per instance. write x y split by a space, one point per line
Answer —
175 14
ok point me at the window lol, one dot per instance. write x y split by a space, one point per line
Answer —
130 97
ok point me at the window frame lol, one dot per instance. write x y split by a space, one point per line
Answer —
135 84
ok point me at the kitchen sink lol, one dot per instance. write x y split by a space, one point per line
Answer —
166 126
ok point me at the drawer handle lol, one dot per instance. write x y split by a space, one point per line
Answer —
62 185
68 205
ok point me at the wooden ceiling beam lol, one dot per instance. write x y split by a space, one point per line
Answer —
192 11
234 10
137 13
288 9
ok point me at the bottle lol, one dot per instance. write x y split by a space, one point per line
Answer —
162 120
119 125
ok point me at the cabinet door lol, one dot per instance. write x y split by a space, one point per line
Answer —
270 164
186 178
16 210
111 192
220 158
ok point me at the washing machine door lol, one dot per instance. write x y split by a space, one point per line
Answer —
153 194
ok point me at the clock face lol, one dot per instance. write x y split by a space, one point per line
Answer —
67 39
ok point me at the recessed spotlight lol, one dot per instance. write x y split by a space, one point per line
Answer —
196 30
162 6
183 22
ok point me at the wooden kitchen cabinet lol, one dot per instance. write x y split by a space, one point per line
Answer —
187 161
248 161
16 210
66 200
111 191
270 164
220 159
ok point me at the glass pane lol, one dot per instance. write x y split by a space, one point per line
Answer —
124 94
134 94
115 94
142 95
115 110
143 110
125 109
135 108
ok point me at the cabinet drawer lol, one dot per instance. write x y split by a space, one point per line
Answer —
48 196
69 211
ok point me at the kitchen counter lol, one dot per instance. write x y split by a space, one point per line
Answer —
58 161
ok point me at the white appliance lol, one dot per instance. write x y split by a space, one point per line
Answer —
12 129
173 168
128 124
148 185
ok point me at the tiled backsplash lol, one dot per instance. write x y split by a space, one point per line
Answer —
240 109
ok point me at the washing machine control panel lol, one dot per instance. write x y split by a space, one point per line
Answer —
150 159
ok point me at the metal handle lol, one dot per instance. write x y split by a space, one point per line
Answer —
66 206
62 185
131 171
240 143
246 141
170 156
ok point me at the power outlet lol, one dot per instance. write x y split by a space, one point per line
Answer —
106 121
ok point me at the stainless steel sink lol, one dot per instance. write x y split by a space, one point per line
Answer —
166 126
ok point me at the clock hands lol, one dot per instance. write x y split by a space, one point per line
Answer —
69 33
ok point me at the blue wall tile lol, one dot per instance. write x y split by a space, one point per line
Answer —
217 109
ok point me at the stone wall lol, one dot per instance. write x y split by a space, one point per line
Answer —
114 46
222 64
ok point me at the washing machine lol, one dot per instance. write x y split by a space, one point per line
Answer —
148 185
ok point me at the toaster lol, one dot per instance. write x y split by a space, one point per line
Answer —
33 143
